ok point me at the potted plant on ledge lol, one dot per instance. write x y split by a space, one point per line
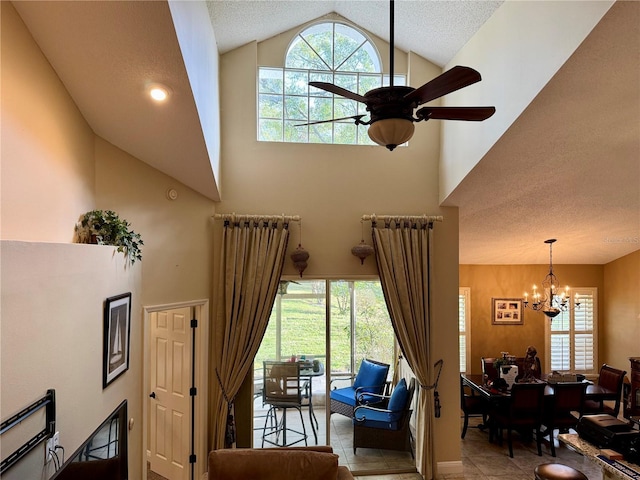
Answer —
105 227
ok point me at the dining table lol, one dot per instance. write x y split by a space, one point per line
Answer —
500 398
477 383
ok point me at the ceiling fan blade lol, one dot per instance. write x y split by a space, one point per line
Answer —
343 92
476 114
450 81
353 117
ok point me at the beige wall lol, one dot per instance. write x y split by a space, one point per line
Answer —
177 234
620 332
331 187
54 169
52 300
47 147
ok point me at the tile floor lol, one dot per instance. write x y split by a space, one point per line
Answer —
481 460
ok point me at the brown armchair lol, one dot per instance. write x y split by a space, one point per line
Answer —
611 379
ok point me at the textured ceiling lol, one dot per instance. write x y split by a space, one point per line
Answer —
435 30
568 168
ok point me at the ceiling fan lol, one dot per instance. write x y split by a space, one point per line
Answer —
391 108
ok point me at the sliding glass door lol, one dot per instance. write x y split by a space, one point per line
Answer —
328 326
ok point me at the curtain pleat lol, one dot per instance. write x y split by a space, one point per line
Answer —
252 259
403 250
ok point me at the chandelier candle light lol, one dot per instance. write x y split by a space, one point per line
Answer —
551 301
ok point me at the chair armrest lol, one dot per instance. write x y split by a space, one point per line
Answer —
361 392
374 409
341 376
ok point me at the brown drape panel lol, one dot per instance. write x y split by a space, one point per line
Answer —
253 254
403 251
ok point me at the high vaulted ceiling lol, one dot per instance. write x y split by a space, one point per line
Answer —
568 168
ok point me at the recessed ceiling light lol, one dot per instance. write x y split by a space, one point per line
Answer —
158 92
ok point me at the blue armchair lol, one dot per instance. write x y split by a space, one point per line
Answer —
386 428
367 387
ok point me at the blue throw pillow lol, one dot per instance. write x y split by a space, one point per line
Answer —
371 374
399 396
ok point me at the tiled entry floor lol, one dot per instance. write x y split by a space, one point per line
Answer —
481 460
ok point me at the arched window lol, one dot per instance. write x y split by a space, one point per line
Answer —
325 52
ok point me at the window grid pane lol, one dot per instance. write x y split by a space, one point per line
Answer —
328 52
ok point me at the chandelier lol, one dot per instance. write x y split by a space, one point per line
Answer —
551 300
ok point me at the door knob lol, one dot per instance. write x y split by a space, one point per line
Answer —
152 394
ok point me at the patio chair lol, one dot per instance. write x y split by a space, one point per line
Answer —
371 379
386 428
282 391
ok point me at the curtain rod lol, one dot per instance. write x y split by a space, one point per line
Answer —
233 217
414 218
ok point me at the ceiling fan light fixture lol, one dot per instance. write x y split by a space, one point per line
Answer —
391 132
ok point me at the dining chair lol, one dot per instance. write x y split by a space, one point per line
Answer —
472 405
489 371
282 391
611 379
563 409
522 412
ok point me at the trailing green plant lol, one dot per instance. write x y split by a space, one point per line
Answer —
105 227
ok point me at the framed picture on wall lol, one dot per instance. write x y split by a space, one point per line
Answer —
506 311
117 327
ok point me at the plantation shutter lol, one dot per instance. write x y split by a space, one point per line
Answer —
463 305
572 336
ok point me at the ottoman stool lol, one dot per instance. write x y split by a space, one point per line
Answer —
557 471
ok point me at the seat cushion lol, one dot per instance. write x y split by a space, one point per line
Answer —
272 464
347 395
367 417
557 471
399 396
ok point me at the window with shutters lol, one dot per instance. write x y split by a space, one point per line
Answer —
572 336
464 306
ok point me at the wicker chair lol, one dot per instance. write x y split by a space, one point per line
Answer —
368 385
386 428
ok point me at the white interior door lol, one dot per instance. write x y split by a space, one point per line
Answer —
169 401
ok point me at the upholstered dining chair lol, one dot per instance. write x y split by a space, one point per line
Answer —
386 428
371 379
282 391
523 412
489 371
472 405
562 409
612 379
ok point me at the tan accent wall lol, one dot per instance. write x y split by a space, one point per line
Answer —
511 281
620 332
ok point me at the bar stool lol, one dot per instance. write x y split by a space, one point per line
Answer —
557 471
